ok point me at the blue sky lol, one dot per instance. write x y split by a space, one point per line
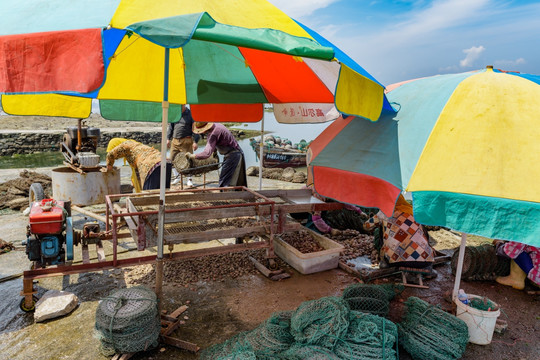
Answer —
399 40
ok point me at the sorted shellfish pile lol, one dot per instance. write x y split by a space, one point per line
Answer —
302 241
356 244
205 268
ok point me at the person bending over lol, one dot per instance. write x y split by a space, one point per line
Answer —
233 171
145 162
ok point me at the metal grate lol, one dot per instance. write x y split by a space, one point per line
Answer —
195 204
187 228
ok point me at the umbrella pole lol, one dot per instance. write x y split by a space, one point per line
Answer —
261 148
162 183
459 265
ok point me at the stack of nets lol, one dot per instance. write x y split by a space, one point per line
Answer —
372 299
429 333
368 337
322 329
481 263
128 321
265 341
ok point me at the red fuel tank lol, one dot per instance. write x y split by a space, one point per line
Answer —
47 217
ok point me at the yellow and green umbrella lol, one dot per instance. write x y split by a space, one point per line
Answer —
241 53
141 57
465 145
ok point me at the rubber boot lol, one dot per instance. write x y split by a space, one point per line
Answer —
516 279
175 177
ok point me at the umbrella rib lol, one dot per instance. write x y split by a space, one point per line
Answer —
230 53
121 51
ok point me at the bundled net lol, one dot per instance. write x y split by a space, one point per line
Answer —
429 333
320 322
372 299
269 338
368 337
483 304
323 329
128 321
308 352
481 263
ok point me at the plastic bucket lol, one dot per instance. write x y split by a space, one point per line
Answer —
481 323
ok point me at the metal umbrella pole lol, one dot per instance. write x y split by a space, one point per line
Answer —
162 182
459 268
261 148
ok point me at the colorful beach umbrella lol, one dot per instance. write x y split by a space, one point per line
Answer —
142 58
465 145
241 54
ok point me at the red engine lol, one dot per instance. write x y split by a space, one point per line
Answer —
47 217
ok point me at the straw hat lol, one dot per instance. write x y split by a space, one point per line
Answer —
201 127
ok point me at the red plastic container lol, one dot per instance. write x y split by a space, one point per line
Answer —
46 217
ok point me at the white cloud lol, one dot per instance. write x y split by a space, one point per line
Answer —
299 8
440 15
509 64
473 54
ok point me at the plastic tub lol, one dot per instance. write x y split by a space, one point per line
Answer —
481 323
311 262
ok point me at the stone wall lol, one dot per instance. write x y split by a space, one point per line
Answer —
12 143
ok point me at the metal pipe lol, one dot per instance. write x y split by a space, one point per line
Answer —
162 183
79 130
261 151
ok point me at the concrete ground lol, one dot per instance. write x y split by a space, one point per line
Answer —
218 310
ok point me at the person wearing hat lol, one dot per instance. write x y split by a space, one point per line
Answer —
180 138
233 170
144 160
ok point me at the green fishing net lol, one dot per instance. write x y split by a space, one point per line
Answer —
269 338
368 337
322 329
320 322
429 333
483 304
128 321
372 299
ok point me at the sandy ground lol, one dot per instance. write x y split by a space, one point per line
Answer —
219 309
58 123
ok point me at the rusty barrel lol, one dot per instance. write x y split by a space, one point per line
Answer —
88 188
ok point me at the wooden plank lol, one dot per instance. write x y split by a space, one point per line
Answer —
281 276
73 167
168 327
100 251
349 269
169 340
90 213
194 237
176 313
263 269
85 254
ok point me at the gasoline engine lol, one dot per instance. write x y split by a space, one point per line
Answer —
50 237
79 146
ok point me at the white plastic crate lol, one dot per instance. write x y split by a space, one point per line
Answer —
311 262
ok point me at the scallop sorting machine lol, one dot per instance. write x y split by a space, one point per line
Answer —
247 219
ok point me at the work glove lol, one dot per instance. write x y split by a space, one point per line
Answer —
335 232
190 156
